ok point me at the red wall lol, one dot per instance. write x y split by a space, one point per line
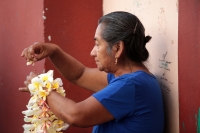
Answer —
189 64
21 24
72 24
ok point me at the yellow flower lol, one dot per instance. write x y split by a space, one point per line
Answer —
51 130
60 125
48 85
42 94
61 91
52 117
57 83
36 84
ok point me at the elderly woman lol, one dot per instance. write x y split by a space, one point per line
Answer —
127 97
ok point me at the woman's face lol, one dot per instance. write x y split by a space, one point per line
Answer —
104 60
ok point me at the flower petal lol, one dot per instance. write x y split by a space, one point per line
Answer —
28 63
28 126
59 81
28 112
32 112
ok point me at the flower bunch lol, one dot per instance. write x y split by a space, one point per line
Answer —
39 115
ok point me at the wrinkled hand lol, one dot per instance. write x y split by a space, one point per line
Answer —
28 81
38 51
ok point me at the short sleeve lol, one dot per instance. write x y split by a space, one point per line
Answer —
118 97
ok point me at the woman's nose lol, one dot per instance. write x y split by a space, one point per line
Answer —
93 52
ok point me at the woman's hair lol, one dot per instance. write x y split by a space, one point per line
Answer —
126 27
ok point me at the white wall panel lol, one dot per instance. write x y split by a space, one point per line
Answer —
160 19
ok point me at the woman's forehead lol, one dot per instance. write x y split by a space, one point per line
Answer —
98 33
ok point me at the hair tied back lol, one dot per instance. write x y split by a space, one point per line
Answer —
147 38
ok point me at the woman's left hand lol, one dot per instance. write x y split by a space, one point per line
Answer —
28 81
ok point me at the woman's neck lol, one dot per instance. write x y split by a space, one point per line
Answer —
130 67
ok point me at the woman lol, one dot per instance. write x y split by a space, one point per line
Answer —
127 97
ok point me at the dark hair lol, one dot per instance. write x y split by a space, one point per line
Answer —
126 27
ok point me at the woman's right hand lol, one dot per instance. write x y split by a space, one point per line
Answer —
38 51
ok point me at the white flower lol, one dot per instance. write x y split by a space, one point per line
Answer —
47 76
36 84
57 83
38 129
42 94
61 91
39 114
32 104
33 119
28 126
28 63
60 125
51 130
31 112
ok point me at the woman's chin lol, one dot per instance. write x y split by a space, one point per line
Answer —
100 68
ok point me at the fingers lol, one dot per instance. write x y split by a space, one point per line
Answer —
32 75
30 53
28 81
38 51
23 89
22 54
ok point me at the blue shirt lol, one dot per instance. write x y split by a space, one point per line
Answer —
135 101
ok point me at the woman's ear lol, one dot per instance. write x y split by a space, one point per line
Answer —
119 49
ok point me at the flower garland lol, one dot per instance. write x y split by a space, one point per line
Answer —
39 115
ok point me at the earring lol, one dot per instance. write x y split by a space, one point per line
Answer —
116 61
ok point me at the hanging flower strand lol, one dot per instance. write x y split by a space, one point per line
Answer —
39 115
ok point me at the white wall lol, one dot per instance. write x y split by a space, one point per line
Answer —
160 19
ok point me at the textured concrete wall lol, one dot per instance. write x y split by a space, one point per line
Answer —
160 19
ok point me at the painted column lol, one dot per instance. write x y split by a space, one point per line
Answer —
160 19
189 66
71 24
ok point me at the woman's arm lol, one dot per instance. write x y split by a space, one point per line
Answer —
83 114
74 71
77 73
